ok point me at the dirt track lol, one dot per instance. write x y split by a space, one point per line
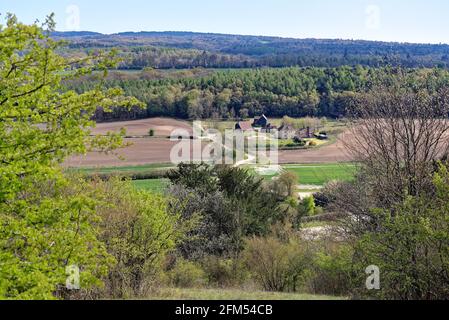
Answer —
157 150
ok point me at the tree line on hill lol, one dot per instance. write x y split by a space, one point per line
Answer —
190 50
295 92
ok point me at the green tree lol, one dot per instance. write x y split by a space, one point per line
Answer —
232 201
45 223
289 182
139 229
307 206
410 247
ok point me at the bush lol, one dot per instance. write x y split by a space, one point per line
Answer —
410 247
307 207
275 265
139 229
331 270
151 132
328 194
224 272
233 203
299 142
186 274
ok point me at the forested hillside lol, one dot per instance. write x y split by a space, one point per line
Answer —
295 92
189 50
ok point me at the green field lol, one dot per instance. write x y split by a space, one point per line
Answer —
308 174
320 174
323 173
222 294
154 185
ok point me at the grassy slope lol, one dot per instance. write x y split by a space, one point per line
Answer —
221 294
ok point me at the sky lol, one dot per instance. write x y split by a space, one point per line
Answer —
419 21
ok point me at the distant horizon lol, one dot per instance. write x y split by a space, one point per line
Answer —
250 35
400 21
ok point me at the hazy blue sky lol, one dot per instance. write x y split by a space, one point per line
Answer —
390 20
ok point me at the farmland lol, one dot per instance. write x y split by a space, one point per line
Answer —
146 159
142 149
318 175
310 176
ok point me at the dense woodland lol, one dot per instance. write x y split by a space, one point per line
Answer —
296 92
176 72
190 50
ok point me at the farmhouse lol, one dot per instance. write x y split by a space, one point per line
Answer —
287 131
261 122
304 133
244 126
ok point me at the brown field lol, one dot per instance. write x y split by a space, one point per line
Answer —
157 150
161 126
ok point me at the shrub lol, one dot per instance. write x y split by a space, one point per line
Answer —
186 274
331 270
288 181
232 201
138 229
307 207
151 132
223 272
328 194
410 247
275 265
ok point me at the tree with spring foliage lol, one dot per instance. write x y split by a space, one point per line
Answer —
47 224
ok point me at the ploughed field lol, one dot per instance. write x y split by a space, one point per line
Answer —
144 149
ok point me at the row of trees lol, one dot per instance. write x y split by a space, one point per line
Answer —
294 92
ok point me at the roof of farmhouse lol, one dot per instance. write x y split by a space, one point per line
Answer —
244 125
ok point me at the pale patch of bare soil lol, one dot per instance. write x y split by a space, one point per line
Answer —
162 127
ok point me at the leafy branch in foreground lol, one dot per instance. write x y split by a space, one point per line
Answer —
46 223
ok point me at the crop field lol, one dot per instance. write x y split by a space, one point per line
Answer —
323 173
142 149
